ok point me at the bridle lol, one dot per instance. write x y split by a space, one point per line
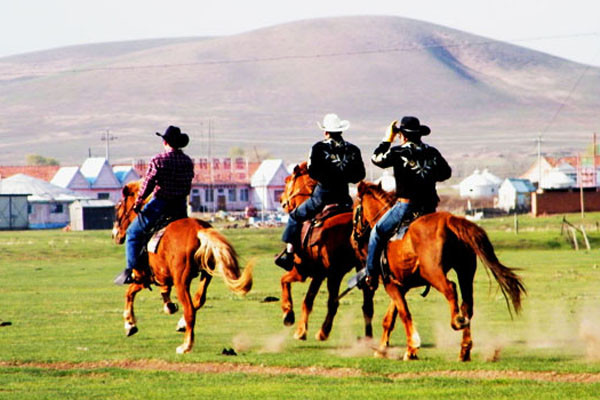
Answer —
300 191
361 228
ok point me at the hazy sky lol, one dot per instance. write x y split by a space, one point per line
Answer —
567 28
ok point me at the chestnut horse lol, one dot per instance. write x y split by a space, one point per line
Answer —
189 248
432 245
330 259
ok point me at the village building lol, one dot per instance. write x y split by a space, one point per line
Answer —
514 195
47 204
479 185
268 184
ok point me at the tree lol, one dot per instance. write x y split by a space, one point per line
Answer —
36 159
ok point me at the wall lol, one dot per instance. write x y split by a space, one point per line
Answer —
556 202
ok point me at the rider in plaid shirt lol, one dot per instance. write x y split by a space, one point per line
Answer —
169 180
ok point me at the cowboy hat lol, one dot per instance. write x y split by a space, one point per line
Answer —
174 137
333 123
412 126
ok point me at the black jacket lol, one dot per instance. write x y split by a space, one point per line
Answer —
335 164
417 168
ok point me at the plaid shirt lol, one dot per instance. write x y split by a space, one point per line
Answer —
169 176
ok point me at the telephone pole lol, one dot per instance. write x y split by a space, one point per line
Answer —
107 137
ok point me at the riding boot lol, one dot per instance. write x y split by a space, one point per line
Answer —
124 278
285 260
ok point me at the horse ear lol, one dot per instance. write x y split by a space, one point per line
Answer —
125 191
362 186
297 169
379 186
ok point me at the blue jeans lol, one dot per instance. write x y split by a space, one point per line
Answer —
382 232
309 209
142 226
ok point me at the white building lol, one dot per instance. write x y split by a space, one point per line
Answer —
479 185
515 195
48 204
268 184
95 179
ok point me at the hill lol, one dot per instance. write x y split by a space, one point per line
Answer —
486 101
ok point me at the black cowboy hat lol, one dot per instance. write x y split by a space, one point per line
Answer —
174 137
412 126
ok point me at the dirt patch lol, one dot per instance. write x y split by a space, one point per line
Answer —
220 368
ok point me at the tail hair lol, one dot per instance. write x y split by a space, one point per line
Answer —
476 238
216 256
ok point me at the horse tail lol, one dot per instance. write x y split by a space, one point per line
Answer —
216 256
477 239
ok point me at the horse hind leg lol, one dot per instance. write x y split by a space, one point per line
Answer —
189 316
198 301
465 282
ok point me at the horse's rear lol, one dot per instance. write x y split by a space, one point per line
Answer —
188 248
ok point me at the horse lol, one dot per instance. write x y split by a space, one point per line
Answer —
331 258
432 245
188 248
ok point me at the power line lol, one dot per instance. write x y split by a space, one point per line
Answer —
416 47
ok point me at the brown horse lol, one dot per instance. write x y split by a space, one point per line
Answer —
189 247
331 258
433 244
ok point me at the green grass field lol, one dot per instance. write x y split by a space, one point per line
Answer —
66 337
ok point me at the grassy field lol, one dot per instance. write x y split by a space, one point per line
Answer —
66 340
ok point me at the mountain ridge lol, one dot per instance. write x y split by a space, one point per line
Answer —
265 89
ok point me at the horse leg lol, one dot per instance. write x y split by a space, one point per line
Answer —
168 306
333 287
413 340
189 314
433 272
389 322
198 300
465 282
367 309
307 306
286 296
128 314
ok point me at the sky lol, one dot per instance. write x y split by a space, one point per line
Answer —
566 28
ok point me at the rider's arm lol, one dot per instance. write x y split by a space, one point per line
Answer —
148 184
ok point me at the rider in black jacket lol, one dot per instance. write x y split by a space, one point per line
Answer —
333 163
417 167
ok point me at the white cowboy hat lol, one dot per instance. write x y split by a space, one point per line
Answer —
333 123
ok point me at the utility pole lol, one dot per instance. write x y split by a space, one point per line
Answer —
107 137
539 158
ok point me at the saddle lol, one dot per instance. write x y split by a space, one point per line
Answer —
398 234
312 230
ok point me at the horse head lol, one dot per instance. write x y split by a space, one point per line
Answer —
298 187
124 211
371 203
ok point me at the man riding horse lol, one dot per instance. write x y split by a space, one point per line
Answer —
333 163
168 179
417 167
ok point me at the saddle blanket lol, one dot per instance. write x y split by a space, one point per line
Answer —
155 240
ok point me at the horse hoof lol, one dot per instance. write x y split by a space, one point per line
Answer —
182 349
321 336
380 354
131 331
300 335
289 318
409 356
171 308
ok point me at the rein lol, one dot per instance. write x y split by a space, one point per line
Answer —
298 193
359 233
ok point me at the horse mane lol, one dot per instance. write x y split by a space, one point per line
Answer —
376 191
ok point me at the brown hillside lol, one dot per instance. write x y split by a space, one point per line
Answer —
486 101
